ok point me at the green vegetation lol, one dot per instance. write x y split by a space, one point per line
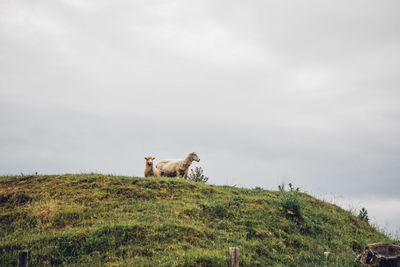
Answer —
197 175
95 219
363 215
291 202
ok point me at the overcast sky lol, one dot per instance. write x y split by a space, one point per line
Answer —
265 92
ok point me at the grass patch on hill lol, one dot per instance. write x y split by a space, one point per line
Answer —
96 219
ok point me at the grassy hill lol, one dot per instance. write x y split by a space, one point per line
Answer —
95 219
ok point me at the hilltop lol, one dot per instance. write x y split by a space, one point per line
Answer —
96 219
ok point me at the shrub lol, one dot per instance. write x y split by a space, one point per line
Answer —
290 202
197 175
363 215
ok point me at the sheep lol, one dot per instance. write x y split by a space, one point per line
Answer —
149 169
177 168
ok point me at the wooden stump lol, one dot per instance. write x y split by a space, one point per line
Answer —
23 258
233 255
381 254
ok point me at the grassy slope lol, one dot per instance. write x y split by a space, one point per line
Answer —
93 219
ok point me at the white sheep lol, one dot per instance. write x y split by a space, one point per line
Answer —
149 169
177 167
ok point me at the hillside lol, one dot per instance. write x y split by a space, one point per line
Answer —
95 219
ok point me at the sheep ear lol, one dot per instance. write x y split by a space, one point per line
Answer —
154 158
145 158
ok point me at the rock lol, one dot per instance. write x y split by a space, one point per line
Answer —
381 254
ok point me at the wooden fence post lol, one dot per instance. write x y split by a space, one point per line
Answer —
233 254
23 258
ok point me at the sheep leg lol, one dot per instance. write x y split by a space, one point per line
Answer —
185 175
181 173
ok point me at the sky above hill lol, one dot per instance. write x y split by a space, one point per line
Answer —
265 92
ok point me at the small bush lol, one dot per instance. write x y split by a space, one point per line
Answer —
363 215
197 175
290 202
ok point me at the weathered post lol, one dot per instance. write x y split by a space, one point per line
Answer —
233 254
23 258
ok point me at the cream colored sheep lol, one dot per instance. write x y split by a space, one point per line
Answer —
177 167
149 169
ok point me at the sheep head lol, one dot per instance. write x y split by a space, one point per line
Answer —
194 157
149 160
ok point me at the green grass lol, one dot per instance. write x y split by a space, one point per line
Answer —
95 219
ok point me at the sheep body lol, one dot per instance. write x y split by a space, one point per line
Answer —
177 167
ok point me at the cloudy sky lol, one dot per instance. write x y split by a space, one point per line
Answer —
265 92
